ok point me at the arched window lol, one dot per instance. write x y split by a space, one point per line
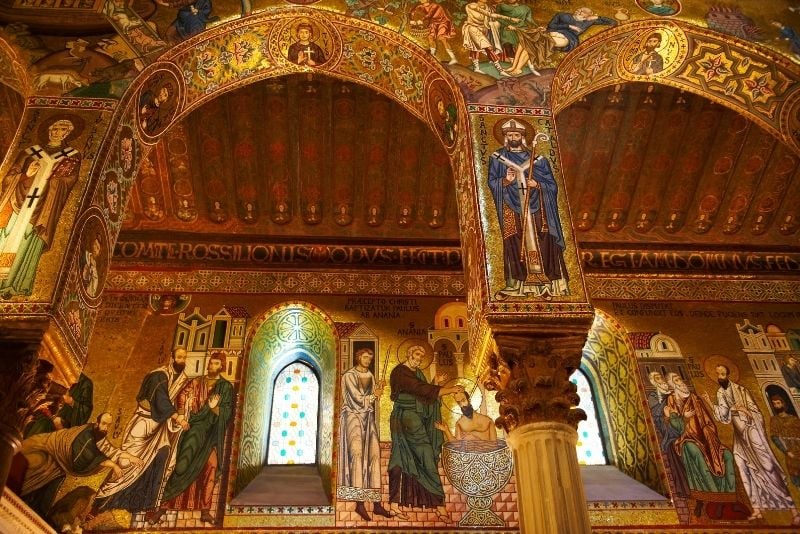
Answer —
590 448
293 420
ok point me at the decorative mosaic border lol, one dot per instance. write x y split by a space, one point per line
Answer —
13 511
26 309
365 530
13 69
755 82
728 529
599 287
631 505
279 510
101 104
733 290
510 110
291 283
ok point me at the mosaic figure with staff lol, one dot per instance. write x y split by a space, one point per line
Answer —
526 199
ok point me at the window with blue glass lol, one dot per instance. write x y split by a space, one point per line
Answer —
590 447
293 421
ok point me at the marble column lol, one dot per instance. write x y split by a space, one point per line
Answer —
530 374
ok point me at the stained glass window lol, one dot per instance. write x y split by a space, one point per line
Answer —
590 441
293 425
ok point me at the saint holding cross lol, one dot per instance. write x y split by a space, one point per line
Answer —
305 51
32 196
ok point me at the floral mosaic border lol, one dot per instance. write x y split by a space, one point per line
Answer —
600 287
755 82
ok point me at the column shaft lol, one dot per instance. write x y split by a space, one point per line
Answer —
550 492
538 410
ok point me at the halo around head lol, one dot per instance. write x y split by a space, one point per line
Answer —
711 363
470 388
402 351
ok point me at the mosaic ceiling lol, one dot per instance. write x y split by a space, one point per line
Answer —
317 160
652 164
299 156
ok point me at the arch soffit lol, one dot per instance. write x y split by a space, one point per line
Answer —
753 81
13 68
244 51
251 412
276 311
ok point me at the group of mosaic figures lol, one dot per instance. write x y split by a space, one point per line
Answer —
417 436
704 469
504 32
169 458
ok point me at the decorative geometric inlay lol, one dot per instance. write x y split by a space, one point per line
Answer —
288 282
619 288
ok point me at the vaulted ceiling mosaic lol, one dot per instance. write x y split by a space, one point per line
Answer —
319 161
298 156
652 164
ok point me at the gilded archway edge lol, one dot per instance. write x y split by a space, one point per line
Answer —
755 82
13 71
206 67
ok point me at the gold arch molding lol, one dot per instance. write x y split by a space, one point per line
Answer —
244 51
755 82
13 70
256 48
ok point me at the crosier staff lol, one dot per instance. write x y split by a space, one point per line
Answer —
385 366
530 242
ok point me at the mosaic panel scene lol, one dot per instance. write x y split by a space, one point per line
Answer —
400 265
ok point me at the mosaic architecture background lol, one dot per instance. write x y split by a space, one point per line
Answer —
235 355
166 401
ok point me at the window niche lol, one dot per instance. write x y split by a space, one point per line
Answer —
293 420
591 446
292 354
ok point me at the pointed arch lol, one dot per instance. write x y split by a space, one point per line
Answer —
286 333
753 81
14 71
244 51
610 361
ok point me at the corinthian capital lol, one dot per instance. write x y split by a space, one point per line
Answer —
530 374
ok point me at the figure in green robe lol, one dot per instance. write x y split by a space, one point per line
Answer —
523 19
41 421
77 408
207 404
78 451
56 411
34 193
416 442
708 463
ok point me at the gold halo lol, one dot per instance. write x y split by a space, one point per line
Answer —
530 131
78 125
472 389
410 342
710 367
